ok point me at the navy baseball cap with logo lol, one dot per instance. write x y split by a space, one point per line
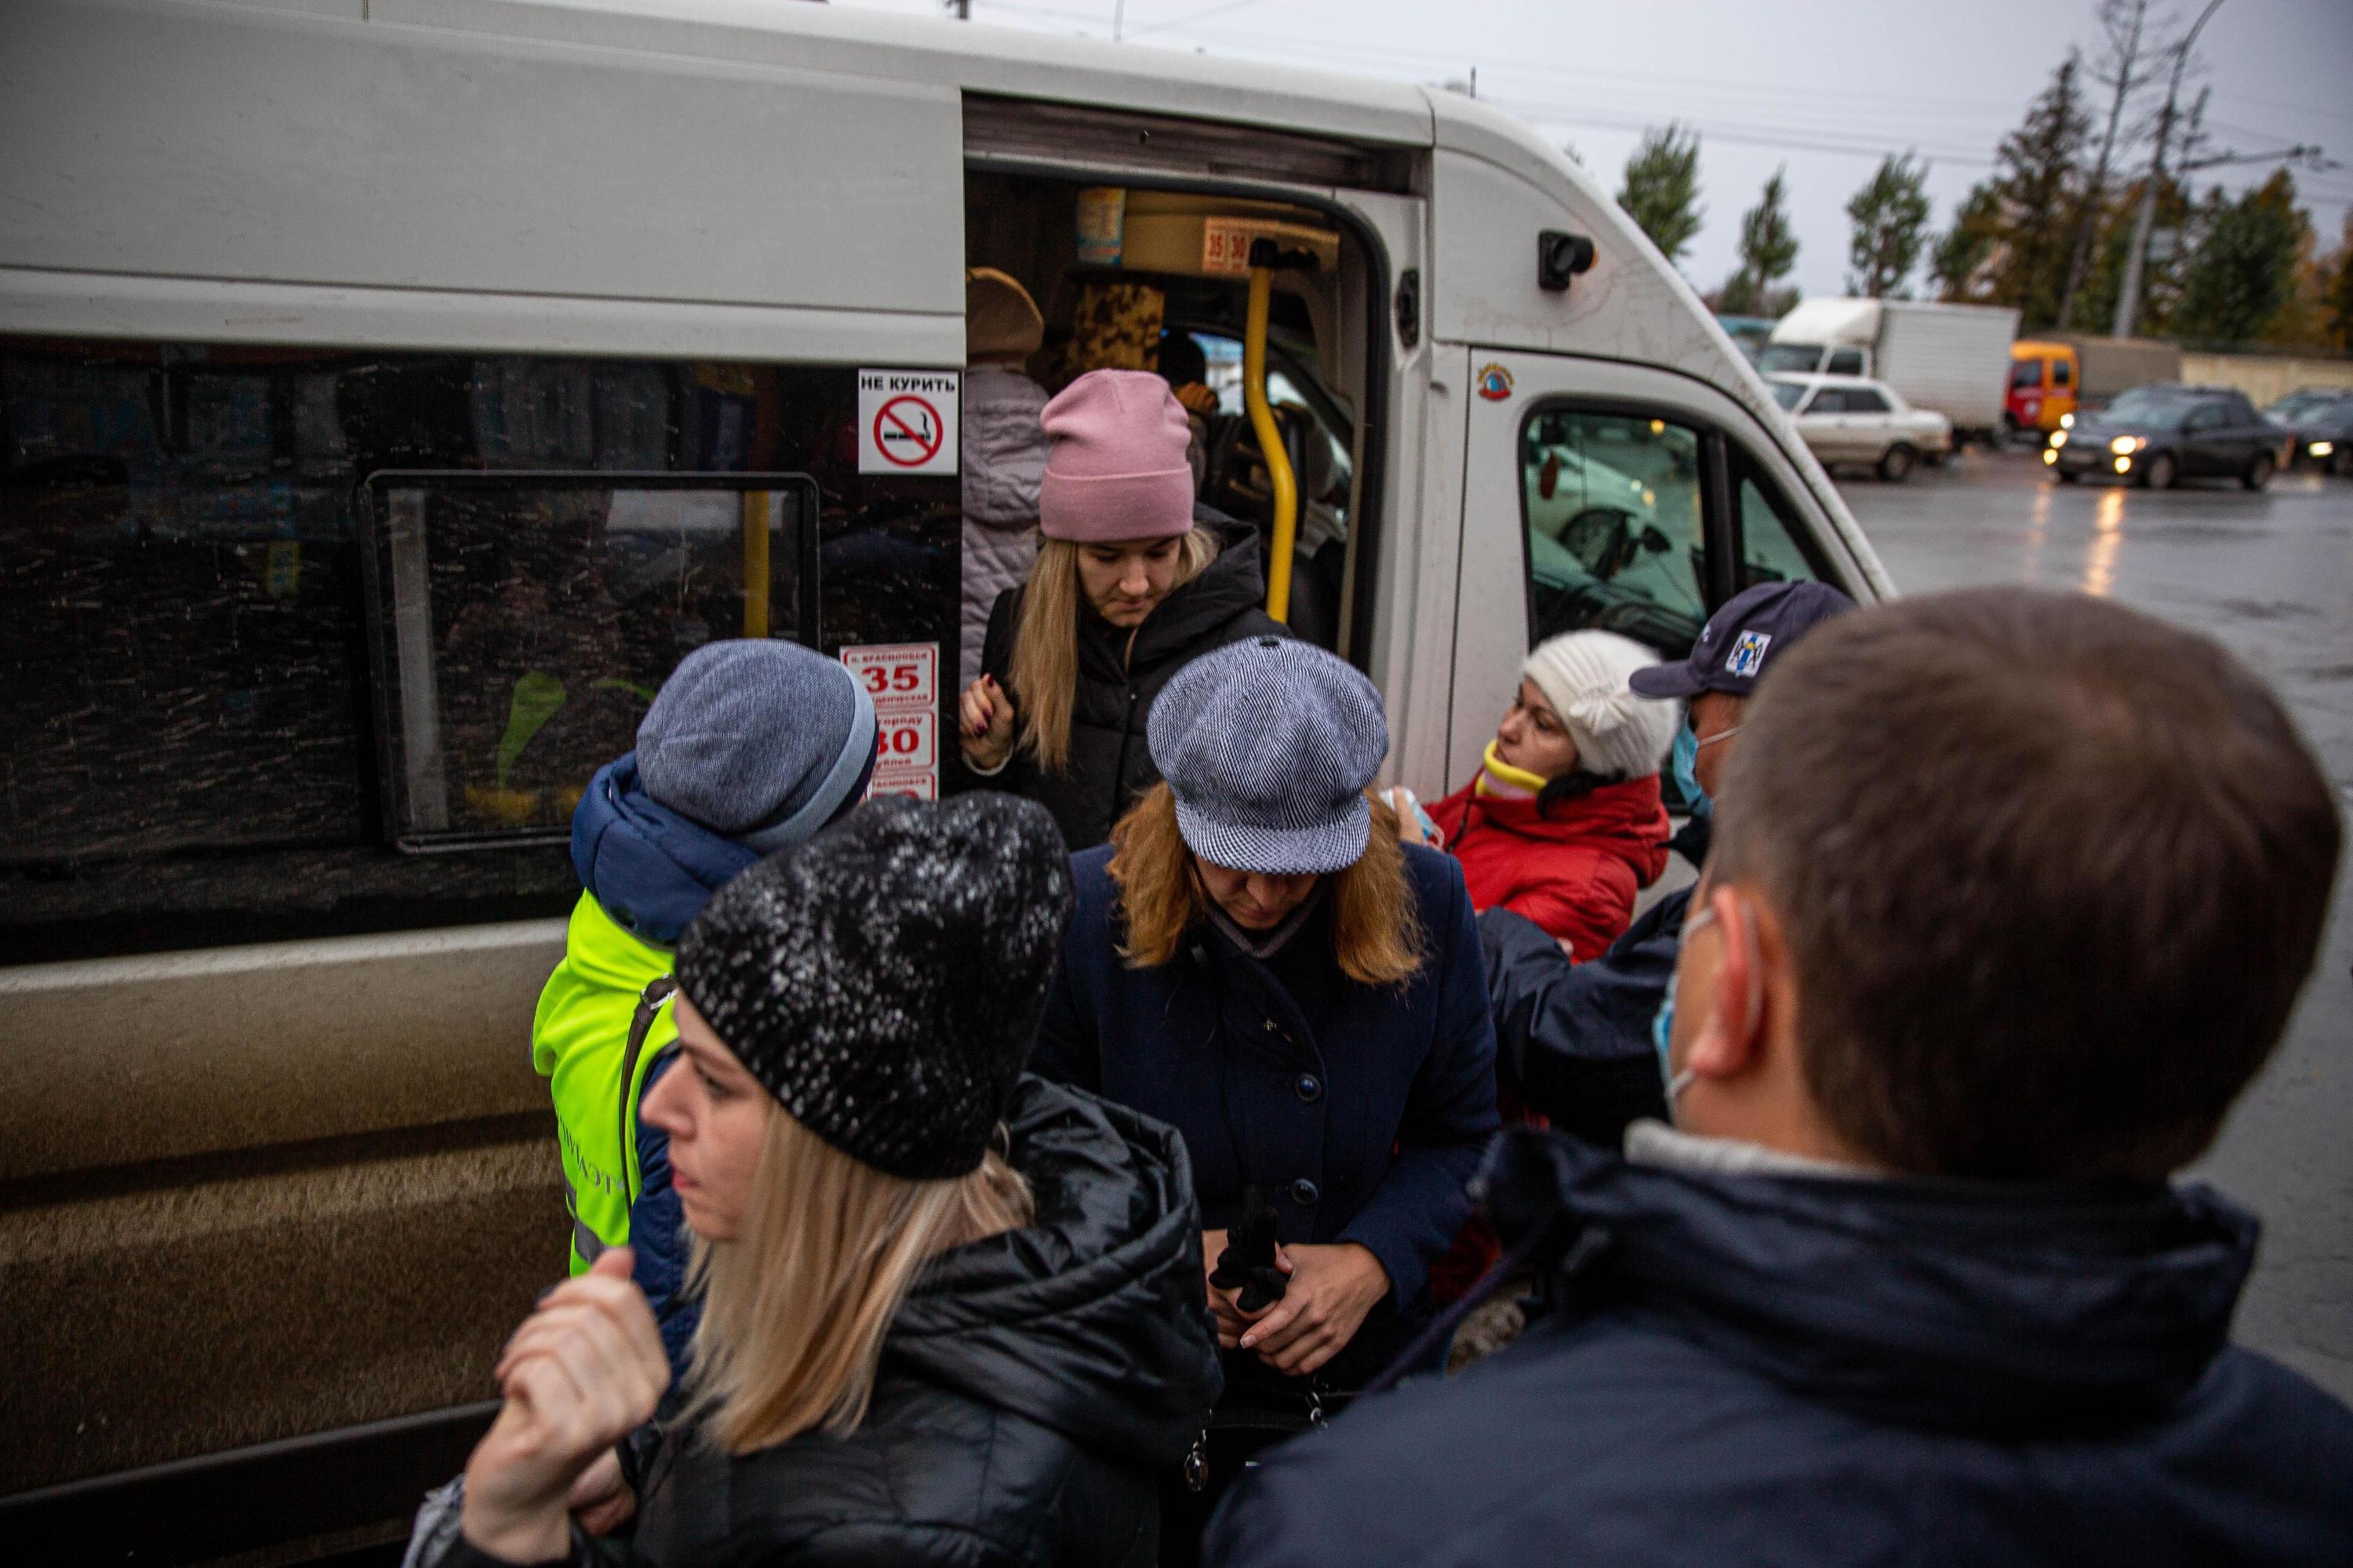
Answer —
1752 628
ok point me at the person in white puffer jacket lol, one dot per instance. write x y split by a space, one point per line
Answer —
1004 449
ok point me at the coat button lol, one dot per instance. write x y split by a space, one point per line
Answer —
1309 1087
1305 1192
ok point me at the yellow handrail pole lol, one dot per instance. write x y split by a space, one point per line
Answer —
756 563
1270 446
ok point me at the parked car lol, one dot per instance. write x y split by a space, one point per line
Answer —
2319 423
1954 359
2158 435
1851 421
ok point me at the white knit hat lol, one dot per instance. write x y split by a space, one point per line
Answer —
1583 676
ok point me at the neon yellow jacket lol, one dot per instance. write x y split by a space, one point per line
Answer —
579 1038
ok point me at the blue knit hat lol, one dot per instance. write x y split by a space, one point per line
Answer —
764 741
1268 745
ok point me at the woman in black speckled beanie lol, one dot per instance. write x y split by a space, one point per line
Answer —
946 1304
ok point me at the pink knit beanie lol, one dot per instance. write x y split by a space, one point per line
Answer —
1118 469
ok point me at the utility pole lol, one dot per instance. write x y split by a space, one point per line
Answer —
2128 298
2123 30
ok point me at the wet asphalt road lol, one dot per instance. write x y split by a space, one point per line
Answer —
2271 575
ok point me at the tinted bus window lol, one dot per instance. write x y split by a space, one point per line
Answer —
198 742
522 625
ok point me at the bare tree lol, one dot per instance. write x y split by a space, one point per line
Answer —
2123 69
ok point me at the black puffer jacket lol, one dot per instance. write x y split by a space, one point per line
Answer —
1029 1386
1110 765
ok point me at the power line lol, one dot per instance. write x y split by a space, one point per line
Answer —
1196 16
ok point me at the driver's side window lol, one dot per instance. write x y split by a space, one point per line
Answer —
1615 540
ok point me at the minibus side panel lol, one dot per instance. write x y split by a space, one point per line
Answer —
1412 648
1404 631
274 1042
247 146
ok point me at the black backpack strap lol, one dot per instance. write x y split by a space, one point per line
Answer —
657 991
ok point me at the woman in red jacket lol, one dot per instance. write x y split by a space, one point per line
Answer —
1564 824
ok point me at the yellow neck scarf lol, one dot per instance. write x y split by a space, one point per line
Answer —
1500 778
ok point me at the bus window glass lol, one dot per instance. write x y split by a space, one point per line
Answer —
1769 552
1612 509
523 626
200 749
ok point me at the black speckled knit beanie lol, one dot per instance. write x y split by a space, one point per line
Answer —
886 980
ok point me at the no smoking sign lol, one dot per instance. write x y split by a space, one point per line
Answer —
907 421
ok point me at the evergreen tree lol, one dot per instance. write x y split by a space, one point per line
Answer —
1661 188
2038 185
2242 273
1768 250
2337 293
1890 215
1961 252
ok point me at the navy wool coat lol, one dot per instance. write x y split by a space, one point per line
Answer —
1360 1111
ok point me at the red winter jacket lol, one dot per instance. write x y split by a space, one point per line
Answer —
1576 871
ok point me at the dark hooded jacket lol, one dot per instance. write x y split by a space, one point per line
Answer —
1573 1042
1824 1371
1110 765
1029 1386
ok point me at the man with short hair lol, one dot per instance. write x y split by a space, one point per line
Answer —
1574 1042
2012 895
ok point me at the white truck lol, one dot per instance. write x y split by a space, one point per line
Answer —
1954 359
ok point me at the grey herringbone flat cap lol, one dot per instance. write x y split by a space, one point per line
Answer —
1268 745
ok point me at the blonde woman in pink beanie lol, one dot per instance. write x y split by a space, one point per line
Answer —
1128 587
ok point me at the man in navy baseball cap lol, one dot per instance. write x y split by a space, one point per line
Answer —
1578 1044
1752 628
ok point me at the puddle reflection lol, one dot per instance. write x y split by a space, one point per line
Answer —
2107 538
2037 533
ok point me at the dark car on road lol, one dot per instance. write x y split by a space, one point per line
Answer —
2320 421
2161 435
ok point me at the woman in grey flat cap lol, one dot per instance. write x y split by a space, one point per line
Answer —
1256 960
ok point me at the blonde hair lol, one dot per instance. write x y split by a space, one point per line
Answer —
1376 930
1044 668
795 1308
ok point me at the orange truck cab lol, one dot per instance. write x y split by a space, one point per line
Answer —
2042 381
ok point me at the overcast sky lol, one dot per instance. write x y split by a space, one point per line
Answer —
1826 87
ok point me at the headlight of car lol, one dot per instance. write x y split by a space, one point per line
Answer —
2059 437
2067 422
2125 446
2321 449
